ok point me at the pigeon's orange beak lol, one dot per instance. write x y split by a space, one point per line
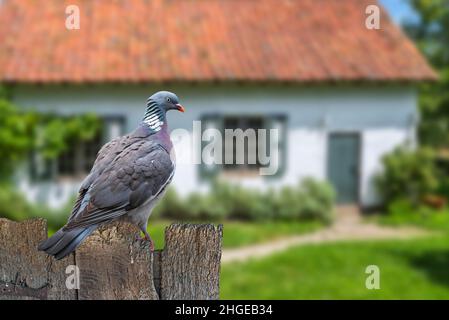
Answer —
180 107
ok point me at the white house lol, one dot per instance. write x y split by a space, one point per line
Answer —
341 94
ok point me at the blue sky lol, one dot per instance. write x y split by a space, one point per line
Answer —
398 9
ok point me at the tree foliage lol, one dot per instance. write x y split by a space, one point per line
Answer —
431 33
24 131
15 136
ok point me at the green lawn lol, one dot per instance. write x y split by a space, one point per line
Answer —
409 269
432 220
237 234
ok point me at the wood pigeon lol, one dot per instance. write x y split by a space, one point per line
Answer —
129 176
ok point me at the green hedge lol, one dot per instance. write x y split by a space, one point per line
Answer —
14 206
408 174
309 200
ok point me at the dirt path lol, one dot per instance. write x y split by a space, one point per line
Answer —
345 228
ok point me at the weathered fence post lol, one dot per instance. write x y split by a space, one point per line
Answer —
190 263
112 264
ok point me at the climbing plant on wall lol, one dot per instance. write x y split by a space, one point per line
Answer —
48 134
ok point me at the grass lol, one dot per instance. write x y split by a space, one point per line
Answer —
237 233
409 269
426 218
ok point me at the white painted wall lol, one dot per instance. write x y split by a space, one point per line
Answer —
385 116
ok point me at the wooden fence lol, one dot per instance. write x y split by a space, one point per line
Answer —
111 264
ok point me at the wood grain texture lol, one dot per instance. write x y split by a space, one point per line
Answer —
23 272
114 265
57 276
27 273
191 262
157 270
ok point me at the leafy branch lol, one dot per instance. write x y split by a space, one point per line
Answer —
48 134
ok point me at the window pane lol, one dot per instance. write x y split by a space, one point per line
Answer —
252 148
250 145
66 162
91 149
41 169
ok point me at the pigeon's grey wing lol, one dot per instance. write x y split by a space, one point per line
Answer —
109 152
135 176
104 157
78 202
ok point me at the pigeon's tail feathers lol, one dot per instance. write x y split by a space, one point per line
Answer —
63 242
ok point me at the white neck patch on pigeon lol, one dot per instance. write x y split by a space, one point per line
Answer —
153 116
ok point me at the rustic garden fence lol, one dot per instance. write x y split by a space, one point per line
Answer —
111 264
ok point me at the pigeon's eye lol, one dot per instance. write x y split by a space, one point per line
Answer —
168 100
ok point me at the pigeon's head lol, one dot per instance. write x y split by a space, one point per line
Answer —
157 106
166 100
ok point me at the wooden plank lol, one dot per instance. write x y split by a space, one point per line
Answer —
114 265
157 270
191 262
57 277
23 272
26 272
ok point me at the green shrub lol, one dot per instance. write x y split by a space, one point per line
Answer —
443 188
196 206
14 206
226 198
288 204
408 174
310 200
56 218
317 199
170 207
241 203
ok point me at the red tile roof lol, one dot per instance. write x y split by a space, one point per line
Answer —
204 40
